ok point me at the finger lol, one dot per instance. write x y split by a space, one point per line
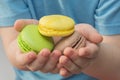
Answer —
20 24
41 60
69 65
82 62
90 51
24 59
52 62
55 71
63 72
89 32
59 65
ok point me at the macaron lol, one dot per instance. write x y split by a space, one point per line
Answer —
76 41
56 25
30 39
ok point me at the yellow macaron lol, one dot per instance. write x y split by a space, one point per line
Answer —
56 25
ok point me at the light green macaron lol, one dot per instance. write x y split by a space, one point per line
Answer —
30 39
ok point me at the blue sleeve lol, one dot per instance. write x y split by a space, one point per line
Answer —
11 10
107 17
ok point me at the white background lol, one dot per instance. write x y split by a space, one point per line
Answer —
6 70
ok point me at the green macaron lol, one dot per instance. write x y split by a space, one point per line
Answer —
30 39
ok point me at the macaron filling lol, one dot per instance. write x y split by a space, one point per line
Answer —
76 44
52 32
22 44
80 42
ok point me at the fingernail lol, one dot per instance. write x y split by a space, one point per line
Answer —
64 60
56 55
45 53
31 55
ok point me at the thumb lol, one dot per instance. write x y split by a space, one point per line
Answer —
89 33
21 23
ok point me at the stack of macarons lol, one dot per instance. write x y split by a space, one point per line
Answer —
37 37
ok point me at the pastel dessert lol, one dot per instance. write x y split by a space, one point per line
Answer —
61 26
75 41
56 25
30 39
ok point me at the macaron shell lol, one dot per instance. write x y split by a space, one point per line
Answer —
75 41
52 32
56 25
34 40
57 22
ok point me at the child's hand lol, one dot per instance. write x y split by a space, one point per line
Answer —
73 61
45 61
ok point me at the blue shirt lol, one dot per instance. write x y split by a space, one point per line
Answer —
104 15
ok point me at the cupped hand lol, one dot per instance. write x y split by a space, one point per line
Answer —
17 58
45 61
74 61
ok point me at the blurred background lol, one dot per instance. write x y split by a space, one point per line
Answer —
6 70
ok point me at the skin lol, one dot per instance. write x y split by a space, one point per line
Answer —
103 57
96 58
30 60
